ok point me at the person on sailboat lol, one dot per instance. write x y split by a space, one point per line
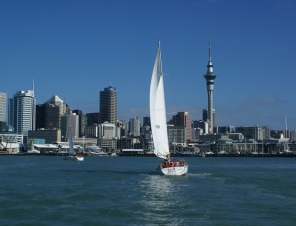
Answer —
165 163
168 158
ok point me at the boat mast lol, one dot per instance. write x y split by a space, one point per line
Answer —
286 133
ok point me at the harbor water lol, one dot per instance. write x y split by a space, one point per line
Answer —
48 190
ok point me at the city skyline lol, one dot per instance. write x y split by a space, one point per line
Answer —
73 49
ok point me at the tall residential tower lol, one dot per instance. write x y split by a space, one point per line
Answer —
22 112
210 76
108 105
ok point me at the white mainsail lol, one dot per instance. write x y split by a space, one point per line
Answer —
157 109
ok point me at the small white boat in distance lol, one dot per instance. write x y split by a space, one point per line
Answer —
159 123
79 157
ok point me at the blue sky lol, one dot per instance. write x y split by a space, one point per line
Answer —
74 49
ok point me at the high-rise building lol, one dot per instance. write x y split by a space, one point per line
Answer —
146 121
183 119
134 126
92 118
22 112
63 107
108 105
210 76
47 116
202 125
69 121
121 128
82 122
59 102
2 107
205 115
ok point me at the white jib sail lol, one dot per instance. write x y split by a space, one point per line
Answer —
157 109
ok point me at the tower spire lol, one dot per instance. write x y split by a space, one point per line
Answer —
210 57
210 76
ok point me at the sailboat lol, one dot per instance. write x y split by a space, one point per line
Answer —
159 123
286 140
72 154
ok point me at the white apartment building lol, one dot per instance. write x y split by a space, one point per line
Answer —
22 112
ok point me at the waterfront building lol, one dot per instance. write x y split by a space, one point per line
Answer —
183 119
134 126
12 137
108 105
86 141
177 134
47 116
49 135
69 120
91 131
131 143
22 112
224 129
13 142
126 143
107 136
254 132
142 145
215 137
210 77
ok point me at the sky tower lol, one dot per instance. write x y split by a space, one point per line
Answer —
210 76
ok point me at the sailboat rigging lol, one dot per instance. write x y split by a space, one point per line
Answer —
159 123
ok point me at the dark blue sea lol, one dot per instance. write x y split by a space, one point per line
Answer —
47 190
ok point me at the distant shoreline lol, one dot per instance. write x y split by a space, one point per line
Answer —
259 155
